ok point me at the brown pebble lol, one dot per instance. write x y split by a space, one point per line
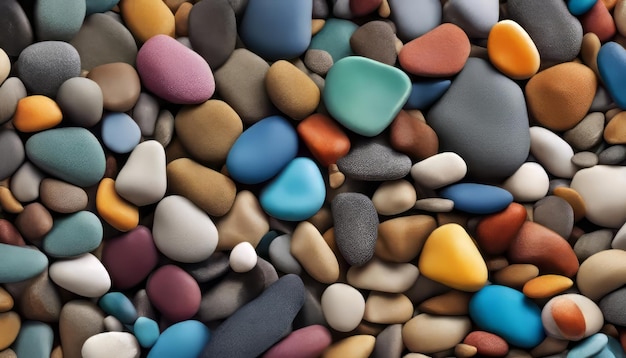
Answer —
574 199
57 352
335 177
61 196
40 301
487 344
9 234
119 83
401 239
245 221
516 275
8 202
610 330
181 19
34 222
322 220
79 320
291 90
314 254
496 263
454 303
413 137
10 324
175 150
615 130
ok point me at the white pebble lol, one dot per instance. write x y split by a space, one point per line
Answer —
84 275
112 324
554 153
243 257
343 307
111 344
439 170
529 183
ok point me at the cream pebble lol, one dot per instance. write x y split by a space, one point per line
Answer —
439 170
111 344
552 152
84 276
243 257
394 197
529 183
343 307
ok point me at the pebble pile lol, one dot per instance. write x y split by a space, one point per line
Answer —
312 178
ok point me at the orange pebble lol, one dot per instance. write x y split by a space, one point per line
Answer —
495 232
512 51
610 4
546 286
181 18
146 18
574 199
116 211
568 318
324 138
36 113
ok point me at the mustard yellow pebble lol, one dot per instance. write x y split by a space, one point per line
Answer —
116 211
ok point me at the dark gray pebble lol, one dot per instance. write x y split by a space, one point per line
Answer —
612 307
356 227
593 242
374 161
213 31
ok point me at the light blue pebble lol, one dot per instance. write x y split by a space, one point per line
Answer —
262 150
119 306
424 94
477 198
185 339
120 133
508 313
334 38
19 263
146 331
612 67
297 193
94 6
579 7
589 347
74 235
34 340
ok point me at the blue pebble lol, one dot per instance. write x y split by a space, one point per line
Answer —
262 150
508 313
185 339
277 29
334 38
146 331
589 347
34 340
424 94
120 133
119 306
18 263
612 67
297 193
95 6
477 198
579 7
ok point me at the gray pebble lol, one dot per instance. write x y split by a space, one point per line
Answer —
81 101
612 155
356 227
145 113
239 7
585 159
11 91
435 205
164 128
389 342
556 183
210 269
320 9
25 183
556 214
587 133
213 31
269 272
311 312
281 257
318 61
415 18
374 161
15 28
143 306
602 101
12 151
592 242
425 288
612 307
475 17
375 40
44 66
341 9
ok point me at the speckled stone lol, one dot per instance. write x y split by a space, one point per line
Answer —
58 20
374 161
356 227
81 101
543 214
375 40
11 91
593 242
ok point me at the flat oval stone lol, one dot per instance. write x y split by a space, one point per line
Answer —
58 20
374 40
147 18
81 101
175 213
34 222
62 197
143 179
73 235
587 133
543 214
35 340
84 275
262 150
213 31
509 314
356 224
552 152
20 263
487 344
571 317
414 19
477 198
120 85
529 183
597 186
394 197
16 26
11 144
174 293
377 275
183 79
11 91
516 275
546 286
80 319
611 64
429 333
107 344
476 19
291 90
10 327
374 161
119 306
512 51
343 307
495 232
120 133
307 341
388 308
71 154
185 339
365 95
439 170
601 273
475 135
334 38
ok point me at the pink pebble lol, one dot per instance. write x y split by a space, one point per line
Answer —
307 342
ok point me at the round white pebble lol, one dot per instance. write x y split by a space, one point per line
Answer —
111 344
243 257
343 307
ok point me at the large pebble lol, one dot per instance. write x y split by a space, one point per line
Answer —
601 273
383 276
147 18
108 344
314 254
213 31
291 90
571 317
15 23
401 239
143 180
184 339
427 333
44 66
343 307
35 340
414 19
245 221
512 51
79 320
439 170
476 19
120 85
81 101
552 152
84 275
58 20
73 235
174 293
129 258
20 263
324 138
598 188
374 161
356 226
529 183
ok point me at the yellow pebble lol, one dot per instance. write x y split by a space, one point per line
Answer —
147 18
36 113
316 25
8 202
546 286
359 346
574 199
512 51
6 301
116 211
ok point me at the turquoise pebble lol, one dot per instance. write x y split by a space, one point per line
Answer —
424 94
58 19
614 349
182 340
120 133
19 263
34 340
263 248
579 7
71 154
589 346
277 29
262 150
118 305
477 198
612 67
297 193
334 38
96 6
365 95
146 331
73 235
508 313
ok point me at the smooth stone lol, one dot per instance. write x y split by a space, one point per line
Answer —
44 66
120 133
10 324
552 152
593 242
613 130
164 127
512 51
509 314
36 113
590 347
146 113
579 7
487 344
213 31
80 319
394 197
214 267
528 184
357 346
10 235
6 301
597 186
439 170
543 214
426 93
599 20
611 65
117 212
310 249
585 159
81 101
612 155
73 235
477 198
610 307
98 6
481 133
310 341
174 293
401 239
183 339
601 273
430 334
571 317
414 19
262 150
84 275
119 306
381 276
243 257
281 257
174 213
34 222
16 26
102 40
58 20
107 344
120 85
268 319
375 40
374 161
602 102
146 331
476 19
143 305
296 193
516 275
35 340
343 307
326 140
549 24
71 154
143 180
20 263
356 225
5 66
11 91
25 183
147 18
365 95
11 144
334 38
389 342
546 286
245 221
451 303
112 324
291 90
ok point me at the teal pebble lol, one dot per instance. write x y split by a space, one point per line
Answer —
34 340
424 94
509 314
334 38
71 154
118 305
96 6
19 263
579 7
263 248
120 133
59 19
365 95
477 198
146 331
74 235
185 339
297 193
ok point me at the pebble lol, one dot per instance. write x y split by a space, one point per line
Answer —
44 66
358 346
430 334
592 184
355 230
35 340
600 274
571 317
281 257
309 341
546 286
212 31
291 90
313 253
36 113
599 21
611 56
612 155
476 21
542 214
487 344
415 19
529 183
145 113
116 211
386 308
585 159
11 91
452 303
5 66
394 197
243 258
592 243
383 276
477 198
20 263
143 180
6 301
174 293
246 221
516 275
343 307
587 133
97 6
9 234
79 320
319 61
374 161
34 222
15 22
512 50
58 20
107 344
146 331
401 239
143 26
164 127
324 138
10 327
375 40
73 235
83 275
334 38
120 133
439 170
184 339
25 183
552 152
81 101
495 232
118 305
119 83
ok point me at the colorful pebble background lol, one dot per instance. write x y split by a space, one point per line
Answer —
312 178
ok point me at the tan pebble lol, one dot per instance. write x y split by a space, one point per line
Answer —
384 10
329 237
574 199
401 239
497 263
181 19
6 300
8 202
516 275
175 150
589 51
608 115
452 303
518 353
316 26
79 320
545 286
9 353
602 273
359 346
245 221
463 350
62 197
427 333
314 254
5 65
335 177
398 44
549 346
322 220
291 90
394 197
383 276
10 324
615 130
610 4
610 330
119 83
147 18
34 222
57 352
388 308
40 301
619 15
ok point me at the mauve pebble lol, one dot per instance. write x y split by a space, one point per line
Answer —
585 159
25 183
9 234
145 113
305 342
318 61
81 101
375 40
11 91
356 227
374 161
543 214
612 155
593 242
174 293
213 31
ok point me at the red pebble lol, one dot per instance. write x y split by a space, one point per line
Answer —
9 234
413 137
495 232
599 21
364 7
174 293
487 344
307 342
324 138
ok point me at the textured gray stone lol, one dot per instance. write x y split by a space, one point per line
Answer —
145 113
475 17
415 18
12 150
587 133
81 101
213 31
593 242
11 91
356 227
612 307
44 66
556 214
612 155
373 160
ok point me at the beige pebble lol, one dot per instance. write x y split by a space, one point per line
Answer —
435 205
427 333
452 303
516 275
589 51
245 221
383 276
394 197
5 66
401 239
359 346
335 177
439 170
465 350
343 307
384 10
388 308
291 90
119 83
6 300
62 197
80 319
602 273
314 254
619 16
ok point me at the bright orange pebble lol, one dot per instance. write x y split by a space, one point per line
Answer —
610 4
545 286
574 199
146 18
116 211
512 51
324 138
36 113
568 318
